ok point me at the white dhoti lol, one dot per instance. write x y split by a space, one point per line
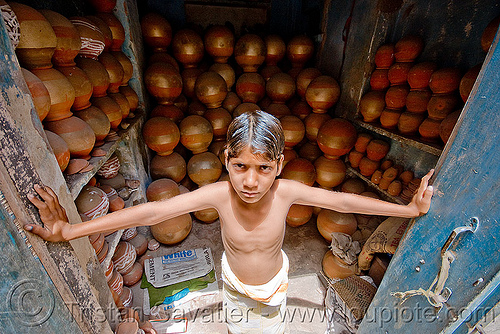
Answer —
255 308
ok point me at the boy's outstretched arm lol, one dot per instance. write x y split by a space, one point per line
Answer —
351 203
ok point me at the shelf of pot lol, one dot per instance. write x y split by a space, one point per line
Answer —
77 181
434 148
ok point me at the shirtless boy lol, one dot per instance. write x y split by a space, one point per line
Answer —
252 209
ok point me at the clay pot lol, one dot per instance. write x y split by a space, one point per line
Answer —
38 41
398 73
226 72
101 256
76 133
163 57
116 283
329 221
122 101
219 43
126 66
97 74
354 158
162 189
309 151
92 202
81 85
301 109
336 137
169 111
420 74
395 97
265 102
117 182
278 110
104 29
161 135
110 168
116 203
376 176
245 107
196 108
445 80
207 215
124 257
409 122
250 52
220 119
196 133
275 49
417 100
140 244
189 76
268 71
97 241
313 122
172 166
156 31
377 149
114 69
384 57
294 130
367 167
329 173
231 101
131 95
408 48
429 129
322 93
371 105
301 170
304 78
98 121
172 231
39 93
68 38
468 80
204 168
299 215
210 89
389 118
117 30
182 103
105 6
280 87
187 47
61 92
353 186
251 87
91 37
110 108
440 105
447 125
60 149
134 275
362 142
334 268
11 23
395 188
217 148
489 33
299 50
379 79
288 155
164 82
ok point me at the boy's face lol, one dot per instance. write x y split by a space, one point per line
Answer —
252 176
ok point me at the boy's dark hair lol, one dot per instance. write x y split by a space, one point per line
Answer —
260 131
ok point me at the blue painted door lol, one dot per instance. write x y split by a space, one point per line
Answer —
448 289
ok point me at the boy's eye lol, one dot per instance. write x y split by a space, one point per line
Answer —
265 168
239 166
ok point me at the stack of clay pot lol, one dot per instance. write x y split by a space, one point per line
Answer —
124 264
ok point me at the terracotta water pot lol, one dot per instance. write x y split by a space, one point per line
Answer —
126 66
275 49
329 221
60 149
164 82
371 105
104 29
395 97
219 43
301 109
353 186
293 129
117 182
210 89
196 108
322 93
362 142
220 119
116 283
110 168
189 76
429 129
38 41
313 122
196 133
377 149
445 80
92 202
173 231
162 189
335 268
161 135
98 121
440 105
251 87
117 30
265 102
207 215
300 169
408 48
131 95
379 79
376 176
217 148
250 52
245 107
384 57
204 168
468 80
97 241
309 151
105 6
299 215
299 50
182 103
409 122
124 257
489 34
39 93
268 71
336 137
110 108
91 37
420 74
114 69
134 275
417 100
61 92
140 244
76 133
163 57
226 72
156 31
304 78
81 84
367 167
187 47
354 158
172 166
68 38
289 155
169 111
398 73
122 101
97 74
447 125
389 118
329 173
278 110
280 87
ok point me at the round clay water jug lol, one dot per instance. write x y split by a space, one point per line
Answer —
301 109
313 123
207 215
60 149
124 257
77 134
275 49
162 189
300 169
379 79
409 122
395 96
122 101
156 31
98 121
398 73
298 215
322 93
336 137
173 231
91 38
39 93
220 119
172 166
219 43
104 29
169 111
210 89
196 108
389 118
329 221
92 202
161 135
110 108
440 105
408 48
447 125
309 151
289 155
293 129
126 66
114 69
97 74
110 168
268 71
371 105
362 142
251 87
353 186
204 168
384 57
117 30
164 82
278 110
189 76
131 95
417 100
420 74
304 78
163 57
445 80
299 50
250 52
187 47
468 80
489 33
81 84
280 87
377 149
329 173
226 72
196 133
429 129
245 107
334 268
